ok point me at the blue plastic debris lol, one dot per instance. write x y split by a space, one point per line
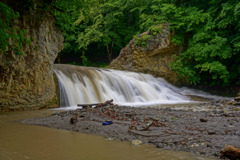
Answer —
107 123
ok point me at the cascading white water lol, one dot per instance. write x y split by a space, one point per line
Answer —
83 85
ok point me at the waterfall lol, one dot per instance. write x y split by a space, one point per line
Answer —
84 85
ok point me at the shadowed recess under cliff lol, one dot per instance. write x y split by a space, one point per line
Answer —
83 85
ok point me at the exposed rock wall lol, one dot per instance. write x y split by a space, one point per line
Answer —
26 81
154 57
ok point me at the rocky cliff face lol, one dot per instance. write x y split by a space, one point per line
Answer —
152 55
26 81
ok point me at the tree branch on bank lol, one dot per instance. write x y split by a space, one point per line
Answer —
96 104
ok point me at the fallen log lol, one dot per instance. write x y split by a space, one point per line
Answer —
87 105
96 104
230 152
105 103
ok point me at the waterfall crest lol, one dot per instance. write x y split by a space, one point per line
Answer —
83 85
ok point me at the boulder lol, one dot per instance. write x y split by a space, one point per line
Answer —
148 53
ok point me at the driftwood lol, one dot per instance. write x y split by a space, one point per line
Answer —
105 103
230 152
96 104
149 125
147 128
132 127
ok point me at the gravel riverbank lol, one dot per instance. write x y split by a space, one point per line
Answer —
201 128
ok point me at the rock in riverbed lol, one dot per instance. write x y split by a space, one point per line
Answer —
178 127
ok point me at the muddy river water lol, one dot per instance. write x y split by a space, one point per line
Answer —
22 142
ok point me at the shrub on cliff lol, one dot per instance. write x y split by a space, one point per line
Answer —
10 39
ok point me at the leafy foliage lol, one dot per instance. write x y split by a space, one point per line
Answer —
212 44
141 40
66 13
107 26
96 30
11 39
208 29
154 30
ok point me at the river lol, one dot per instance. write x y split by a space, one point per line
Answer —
26 142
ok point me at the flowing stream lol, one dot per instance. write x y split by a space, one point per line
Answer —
85 85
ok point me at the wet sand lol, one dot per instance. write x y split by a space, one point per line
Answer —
202 128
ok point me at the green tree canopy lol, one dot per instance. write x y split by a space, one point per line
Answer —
209 30
96 30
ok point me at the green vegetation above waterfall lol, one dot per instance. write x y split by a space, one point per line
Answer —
11 39
96 30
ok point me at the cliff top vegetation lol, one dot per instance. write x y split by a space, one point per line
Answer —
96 30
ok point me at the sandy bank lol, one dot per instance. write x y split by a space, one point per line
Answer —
203 129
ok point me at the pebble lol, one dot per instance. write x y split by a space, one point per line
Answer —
209 145
211 132
203 120
136 142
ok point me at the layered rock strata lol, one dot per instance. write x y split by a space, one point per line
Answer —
26 81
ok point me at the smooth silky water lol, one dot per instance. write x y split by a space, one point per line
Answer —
85 85
26 142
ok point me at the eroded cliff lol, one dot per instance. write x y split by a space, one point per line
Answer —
150 52
26 81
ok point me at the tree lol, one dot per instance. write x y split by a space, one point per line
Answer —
66 13
208 30
110 24
213 31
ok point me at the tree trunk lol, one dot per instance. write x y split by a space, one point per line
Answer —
59 60
110 50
